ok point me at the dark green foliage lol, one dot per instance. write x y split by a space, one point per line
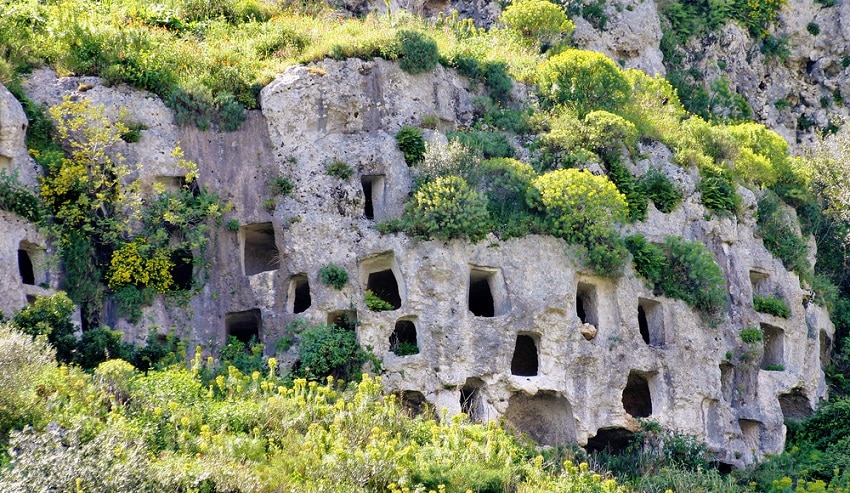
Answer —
100 344
133 133
328 350
752 335
40 125
717 191
772 46
490 144
463 477
630 187
19 199
505 183
281 185
496 80
50 316
649 259
334 276
607 255
411 144
778 235
772 305
417 52
83 276
232 225
830 425
131 299
692 275
338 169
247 357
158 352
658 188
376 304
405 348
813 28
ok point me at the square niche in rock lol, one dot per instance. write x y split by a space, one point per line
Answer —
258 248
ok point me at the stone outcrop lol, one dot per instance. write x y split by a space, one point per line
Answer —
513 329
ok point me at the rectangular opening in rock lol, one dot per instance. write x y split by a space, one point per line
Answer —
760 282
727 380
170 183
487 295
774 348
546 417
259 250
298 297
5 163
751 434
637 398
373 194
403 340
414 403
182 269
380 274
525 362
586 304
25 268
795 405
471 402
651 322
245 325
344 319
29 259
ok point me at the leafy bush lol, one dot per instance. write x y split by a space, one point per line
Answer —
658 188
328 350
24 359
101 344
334 276
489 144
692 275
606 133
281 185
779 236
417 52
376 304
246 357
628 186
772 305
338 169
607 255
649 260
585 79
50 316
19 199
411 144
447 208
138 264
232 225
717 191
752 335
539 21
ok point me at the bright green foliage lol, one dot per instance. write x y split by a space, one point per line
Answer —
585 79
660 190
490 144
328 350
693 276
717 191
17 198
417 52
447 208
578 206
247 357
411 144
505 183
539 21
339 169
752 335
772 305
50 316
333 275
778 235
606 133
281 185
375 303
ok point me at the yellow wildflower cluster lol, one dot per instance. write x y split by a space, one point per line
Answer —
130 266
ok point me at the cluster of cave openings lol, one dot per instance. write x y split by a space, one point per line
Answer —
587 304
259 251
546 417
344 319
244 326
487 295
774 348
795 405
373 194
27 253
637 398
471 402
380 275
651 322
525 362
298 297
403 340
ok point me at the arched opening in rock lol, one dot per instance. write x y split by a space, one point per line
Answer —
547 418
413 402
25 268
373 194
825 349
244 325
299 293
613 440
651 322
481 302
344 319
723 468
181 271
525 362
727 380
637 399
795 405
586 304
471 402
774 348
259 251
384 285
403 339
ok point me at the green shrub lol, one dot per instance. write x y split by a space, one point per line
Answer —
607 255
417 52
101 344
330 351
338 169
489 144
585 79
772 305
774 367
447 208
270 204
649 259
334 276
131 299
281 185
376 304
50 316
629 187
778 236
18 198
813 28
538 21
717 191
752 335
606 133
411 144
693 276
658 188
246 357
133 132
232 225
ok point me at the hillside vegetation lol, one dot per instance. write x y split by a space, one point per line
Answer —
236 424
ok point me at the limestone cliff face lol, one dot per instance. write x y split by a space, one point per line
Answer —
511 329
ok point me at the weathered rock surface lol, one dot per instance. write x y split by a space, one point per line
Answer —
502 328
